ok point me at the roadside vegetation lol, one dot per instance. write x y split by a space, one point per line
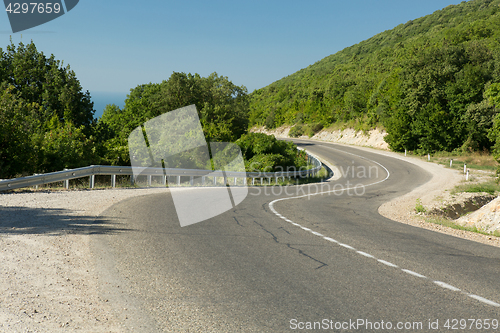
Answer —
450 224
482 182
47 121
433 83
491 187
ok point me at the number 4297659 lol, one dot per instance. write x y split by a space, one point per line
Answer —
463 324
33 8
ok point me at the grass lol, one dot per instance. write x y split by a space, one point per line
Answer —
474 160
419 208
490 187
448 223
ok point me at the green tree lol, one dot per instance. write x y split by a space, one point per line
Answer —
43 80
17 123
41 101
222 109
265 153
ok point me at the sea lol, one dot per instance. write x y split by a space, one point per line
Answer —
101 99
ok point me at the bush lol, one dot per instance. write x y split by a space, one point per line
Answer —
316 127
265 153
270 120
296 131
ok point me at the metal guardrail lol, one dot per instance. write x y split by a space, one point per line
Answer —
113 171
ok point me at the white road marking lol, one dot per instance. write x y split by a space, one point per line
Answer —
390 264
365 254
347 246
439 283
330 239
446 285
484 300
414 273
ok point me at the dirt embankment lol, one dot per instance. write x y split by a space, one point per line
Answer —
373 138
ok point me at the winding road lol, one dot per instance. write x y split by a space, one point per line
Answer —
314 257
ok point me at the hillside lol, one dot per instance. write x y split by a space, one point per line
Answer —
423 81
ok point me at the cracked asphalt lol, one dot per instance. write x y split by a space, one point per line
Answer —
249 270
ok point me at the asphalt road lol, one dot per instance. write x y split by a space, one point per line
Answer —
277 263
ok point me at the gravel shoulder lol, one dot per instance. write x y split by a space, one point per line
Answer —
47 280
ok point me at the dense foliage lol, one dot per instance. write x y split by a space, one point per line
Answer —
263 152
45 117
47 124
424 81
222 108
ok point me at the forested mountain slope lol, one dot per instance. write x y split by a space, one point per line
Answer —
430 82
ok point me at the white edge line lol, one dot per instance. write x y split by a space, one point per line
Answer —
439 283
330 239
446 285
365 254
390 264
414 273
484 300
347 246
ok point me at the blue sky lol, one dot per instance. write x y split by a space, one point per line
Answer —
114 46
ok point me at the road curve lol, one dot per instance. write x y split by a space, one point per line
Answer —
297 258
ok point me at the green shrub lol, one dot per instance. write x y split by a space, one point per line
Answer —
419 208
296 131
316 127
263 152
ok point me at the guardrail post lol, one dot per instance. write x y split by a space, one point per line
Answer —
253 181
235 181
66 182
164 180
113 181
215 181
203 180
149 180
245 181
225 180
132 180
91 181
178 180
191 180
